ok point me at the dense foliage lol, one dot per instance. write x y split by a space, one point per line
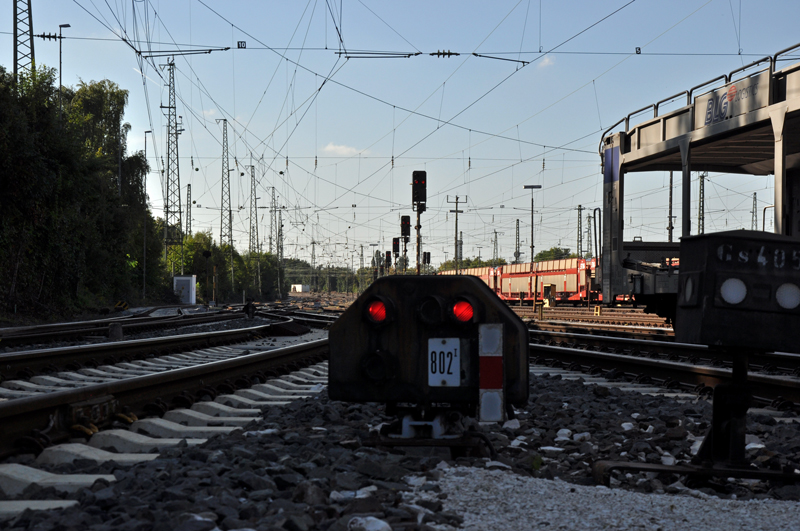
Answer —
73 213
554 253
75 227
466 263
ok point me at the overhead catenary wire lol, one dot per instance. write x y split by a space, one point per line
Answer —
249 141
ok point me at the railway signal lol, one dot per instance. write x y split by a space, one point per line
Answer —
419 183
405 226
433 348
419 180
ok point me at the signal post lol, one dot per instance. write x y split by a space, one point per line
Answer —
405 233
419 180
396 251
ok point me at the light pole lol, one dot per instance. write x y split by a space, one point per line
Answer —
532 187
60 27
375 260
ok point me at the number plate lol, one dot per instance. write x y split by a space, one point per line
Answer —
444 362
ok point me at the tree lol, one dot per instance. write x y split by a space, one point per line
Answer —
214 272
73 212
554 253
467 263
97 109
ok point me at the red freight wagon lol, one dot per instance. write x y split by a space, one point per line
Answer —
557 281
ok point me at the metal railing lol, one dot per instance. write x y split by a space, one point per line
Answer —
725 78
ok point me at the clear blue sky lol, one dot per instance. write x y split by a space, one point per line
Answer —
483 127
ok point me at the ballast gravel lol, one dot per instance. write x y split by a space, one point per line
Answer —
309 465
499 499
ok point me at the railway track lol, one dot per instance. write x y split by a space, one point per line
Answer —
132 324
235 389
773 376
781 363
31 363
611 330
641 353
135 390
178 431
608 317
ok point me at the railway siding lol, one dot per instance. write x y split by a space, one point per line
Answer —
281 455
302 465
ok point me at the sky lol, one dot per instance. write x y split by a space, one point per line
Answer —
335 103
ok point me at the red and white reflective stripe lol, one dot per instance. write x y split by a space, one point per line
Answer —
491 407
491 372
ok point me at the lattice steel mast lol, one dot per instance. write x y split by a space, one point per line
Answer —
254 247
23 37
670 226
313 262
226 214
189 209
173 227
589 236
273 224
701 209
253 212
361 270
494 250
280 252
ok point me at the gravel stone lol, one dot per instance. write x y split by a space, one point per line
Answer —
309 466
494 499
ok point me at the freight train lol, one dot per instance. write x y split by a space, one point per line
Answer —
567 281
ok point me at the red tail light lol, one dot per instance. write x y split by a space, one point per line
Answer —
463 311
377 311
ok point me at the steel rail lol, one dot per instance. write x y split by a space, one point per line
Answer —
51 416
62 331
617 320
18 330
784 362
577 327
29 362
582 314
307 318
765 388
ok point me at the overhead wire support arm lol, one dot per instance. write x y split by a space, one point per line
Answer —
362 54
377 55
168 53
500 58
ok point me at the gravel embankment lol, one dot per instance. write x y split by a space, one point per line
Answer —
303 467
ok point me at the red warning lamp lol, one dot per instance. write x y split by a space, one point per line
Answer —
463 311
377 311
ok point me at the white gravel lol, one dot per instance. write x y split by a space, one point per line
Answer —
498 499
